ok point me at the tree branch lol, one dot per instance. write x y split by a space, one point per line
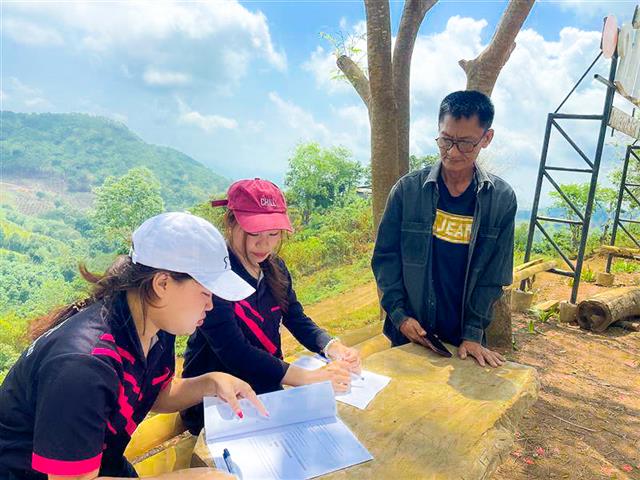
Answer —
482 72
412 17
356 77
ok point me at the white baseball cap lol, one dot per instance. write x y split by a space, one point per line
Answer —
184 243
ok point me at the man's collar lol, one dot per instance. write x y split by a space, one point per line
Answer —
480 174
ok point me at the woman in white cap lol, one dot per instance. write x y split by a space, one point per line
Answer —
244 338
70 404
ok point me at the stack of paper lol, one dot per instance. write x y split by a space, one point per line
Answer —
302 437
364 387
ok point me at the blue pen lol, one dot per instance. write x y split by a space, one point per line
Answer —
227 460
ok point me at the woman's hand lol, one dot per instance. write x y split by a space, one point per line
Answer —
351 356
336 372
231 389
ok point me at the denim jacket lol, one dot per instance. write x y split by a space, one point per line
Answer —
402 256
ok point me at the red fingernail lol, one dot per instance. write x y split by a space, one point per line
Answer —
239 413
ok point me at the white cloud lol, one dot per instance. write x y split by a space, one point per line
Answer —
322 65
28 33
20 96
34 102
166 78
300 121
206 123
590 9
211 41
256 126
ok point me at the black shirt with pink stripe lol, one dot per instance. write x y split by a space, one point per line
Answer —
243 339
76 395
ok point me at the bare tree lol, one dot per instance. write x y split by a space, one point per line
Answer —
386 91
482 72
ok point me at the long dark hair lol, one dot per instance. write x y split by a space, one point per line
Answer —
273 274
121 276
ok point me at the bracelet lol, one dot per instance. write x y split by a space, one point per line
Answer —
325 349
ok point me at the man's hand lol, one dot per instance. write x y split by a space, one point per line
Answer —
412 329
481 354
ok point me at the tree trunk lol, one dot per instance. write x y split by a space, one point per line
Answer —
412 16
601 310
499 333
383 113
482 72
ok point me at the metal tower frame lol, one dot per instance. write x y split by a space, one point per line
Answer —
593 168
633 152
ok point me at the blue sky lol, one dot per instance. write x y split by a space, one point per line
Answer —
237 85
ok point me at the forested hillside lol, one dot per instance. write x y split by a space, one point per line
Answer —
73 153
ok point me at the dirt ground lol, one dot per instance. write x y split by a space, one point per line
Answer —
586 422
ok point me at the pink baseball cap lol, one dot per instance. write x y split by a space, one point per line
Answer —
258 205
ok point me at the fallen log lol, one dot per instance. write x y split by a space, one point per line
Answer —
532 270
546 306
627 325
623 252
528 264
601 310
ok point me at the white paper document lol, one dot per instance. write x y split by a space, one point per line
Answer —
302 437
364 387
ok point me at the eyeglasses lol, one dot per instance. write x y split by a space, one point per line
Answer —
465 146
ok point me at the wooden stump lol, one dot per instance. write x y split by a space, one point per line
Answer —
605 279
600 311
499 333
568 312
521 301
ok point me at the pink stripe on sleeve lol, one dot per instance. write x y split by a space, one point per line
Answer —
162 377
107 337
132 380
111 429
126 355
264 340
166 383
126 411
63 467
107 352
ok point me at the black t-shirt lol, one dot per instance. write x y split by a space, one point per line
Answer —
451 238
71 402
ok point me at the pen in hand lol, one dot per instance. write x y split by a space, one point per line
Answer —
228 462
354 376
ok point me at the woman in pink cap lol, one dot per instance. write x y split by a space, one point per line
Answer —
243 338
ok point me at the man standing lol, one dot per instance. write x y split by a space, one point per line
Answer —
444 248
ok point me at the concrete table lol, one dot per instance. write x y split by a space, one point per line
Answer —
438 418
